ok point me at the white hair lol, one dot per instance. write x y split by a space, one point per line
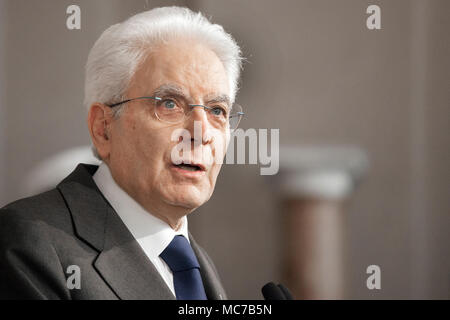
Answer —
121 48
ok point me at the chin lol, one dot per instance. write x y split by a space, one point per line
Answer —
190 198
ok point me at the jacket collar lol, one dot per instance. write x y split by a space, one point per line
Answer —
121 261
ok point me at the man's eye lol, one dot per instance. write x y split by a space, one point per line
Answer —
169 104
218 111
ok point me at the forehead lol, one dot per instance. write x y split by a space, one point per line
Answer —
184 64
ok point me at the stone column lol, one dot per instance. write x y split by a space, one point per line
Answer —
313 186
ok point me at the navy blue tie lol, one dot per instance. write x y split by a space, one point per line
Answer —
181 259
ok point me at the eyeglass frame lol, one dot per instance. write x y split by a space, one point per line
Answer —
240 114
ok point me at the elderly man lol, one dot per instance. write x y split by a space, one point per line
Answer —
160 80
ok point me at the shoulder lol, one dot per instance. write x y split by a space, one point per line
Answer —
41 207
29 264
36 215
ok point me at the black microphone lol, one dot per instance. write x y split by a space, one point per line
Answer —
286 292
276 292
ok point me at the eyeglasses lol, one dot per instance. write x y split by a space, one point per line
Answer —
175 110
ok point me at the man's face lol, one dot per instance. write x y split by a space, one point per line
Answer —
141 145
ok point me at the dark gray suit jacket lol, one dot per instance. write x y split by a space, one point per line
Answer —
41 236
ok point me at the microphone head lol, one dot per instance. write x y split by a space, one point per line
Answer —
286 292
272 292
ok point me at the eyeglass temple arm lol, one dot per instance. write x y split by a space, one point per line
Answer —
128 100
237 114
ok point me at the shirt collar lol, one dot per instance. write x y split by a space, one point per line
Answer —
151 232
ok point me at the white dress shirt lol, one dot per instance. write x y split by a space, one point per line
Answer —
152 234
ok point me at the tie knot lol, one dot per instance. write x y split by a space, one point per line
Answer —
179 255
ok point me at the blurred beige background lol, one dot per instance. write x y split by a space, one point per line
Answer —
315 72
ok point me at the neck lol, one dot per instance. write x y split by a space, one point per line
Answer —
175 224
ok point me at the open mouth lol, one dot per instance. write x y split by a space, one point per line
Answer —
190 167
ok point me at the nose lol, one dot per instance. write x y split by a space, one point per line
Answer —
198 115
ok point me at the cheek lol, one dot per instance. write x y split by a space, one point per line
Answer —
218 153
131 142
216 171
125 139
220 145
152 147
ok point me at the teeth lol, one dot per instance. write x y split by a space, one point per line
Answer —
188 167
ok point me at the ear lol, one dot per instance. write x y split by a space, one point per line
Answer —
99 121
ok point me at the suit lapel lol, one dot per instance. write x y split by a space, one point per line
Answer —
125 266
121 262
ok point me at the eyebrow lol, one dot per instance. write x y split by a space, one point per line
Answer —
220 98
175 90
169 89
